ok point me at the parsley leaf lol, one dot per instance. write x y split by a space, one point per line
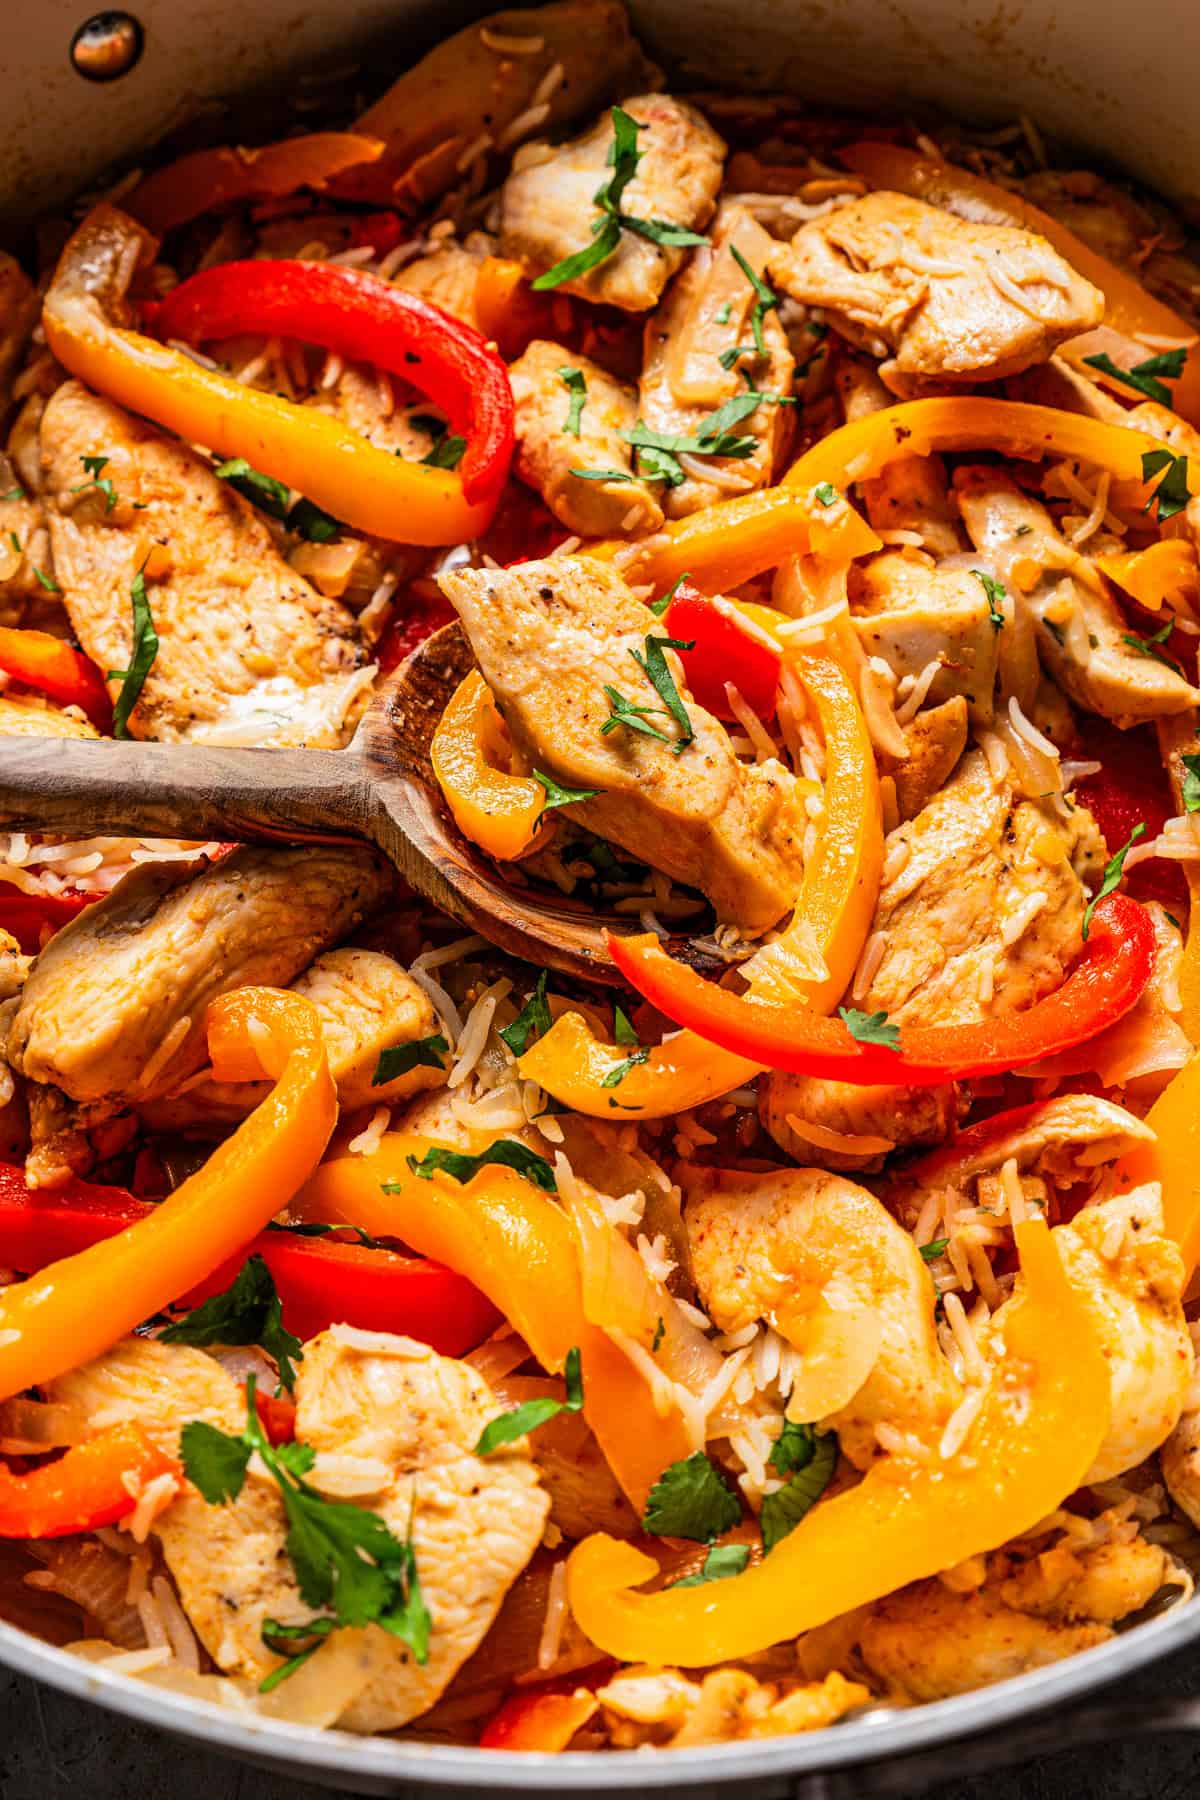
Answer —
623 1031
15 541
722 313
1141 376
870 1028
662 231
314 524
624 712
506 1153
563 796
213 1461
825 494
653 665
619 1071
13 493
600 474
93 466
263 490
1172 491
398 1059
765 299
1113 872
931 1252
447 453
606 237
576 385
658 451
995 591
533 1020
142 654
1148 646
783 1510
47 581
735 353
659 607
532 1413
793 1449
1191 783
690 1500
318 1228
248 1312
722 1561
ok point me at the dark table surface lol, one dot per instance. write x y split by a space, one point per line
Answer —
53 1748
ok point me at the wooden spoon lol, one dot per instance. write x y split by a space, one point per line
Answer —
380 789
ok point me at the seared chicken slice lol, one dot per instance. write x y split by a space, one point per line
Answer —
548 206
550 636
706 312
248 653
547 453
943 299
645 1706
114 1010
911 613
822 1261
913 492
936 739
485 78
28 715
447 276
366 402
1082 636
367 1005
18 314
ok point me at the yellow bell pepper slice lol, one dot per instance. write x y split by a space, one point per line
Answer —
499 812
1128 306
1155 575
1036 1436
78 1307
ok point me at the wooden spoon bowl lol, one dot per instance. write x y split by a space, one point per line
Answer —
380 789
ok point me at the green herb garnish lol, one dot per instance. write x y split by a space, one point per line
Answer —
262 490
1113 872
653 665
447 453
563 796
576 386
870 1028
532 1413
399 1059
996 592
931 1252
532 1021
783 1510
313 524
141 661
690 1500
1172 491
1191 782
93 466
1141 376
765 299
248 1312
1148 646
825 494
600 474
722 1561
506 1153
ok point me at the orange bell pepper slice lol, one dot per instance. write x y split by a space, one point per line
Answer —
538 1721
1155 575
499 812
94 1484
1128 306
1174 1161
62 673
77 1308
335 467
1036 1436
735 540
834 910
509 312
518 1247
206 179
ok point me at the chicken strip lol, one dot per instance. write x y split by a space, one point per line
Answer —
1082 637
707 313
548 206
248 652
913 492
548 455
911 613
486 79
552 638
943 299
936 739
447 276
114 1009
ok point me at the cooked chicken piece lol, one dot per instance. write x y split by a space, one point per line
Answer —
936 739
28 715
1130 1278
365 401
18 314
823 1262
547 453
485 79
24 551
1103 1583
549 637
367 1005
447 276
925 1642
842 1126
707 311
547 207
948 299
911 613
115 1007
663 1707
913 494
983 912
584 1493
1179 1457
14 966
1081 633
1056 383
394 1425
248 652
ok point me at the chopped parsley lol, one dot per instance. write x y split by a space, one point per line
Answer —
996 592
619 1071
93 465
318 1228
793 1448
13 493
659 607
825 493
623 712
1172 491
532 1021
1148 646
15 541
576 386
870 1028
313 524
506 1153
400 1059
690 1500
47 581
931 1252
658 452
1191 782
722 1561
143 651
660 1332
623 1031
783 1510
1143 376
735 353
248 1312
765 300
447 453
346 1559
1113 872
606 228
532 1413
262 490
600 474
653 665
563 796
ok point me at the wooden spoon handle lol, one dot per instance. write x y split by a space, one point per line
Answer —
191 791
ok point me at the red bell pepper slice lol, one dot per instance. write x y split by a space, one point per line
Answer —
726 648
55 669
544 1719
94 1484
26 915
365 318
1131 788
1115 965
321 1282
415 617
